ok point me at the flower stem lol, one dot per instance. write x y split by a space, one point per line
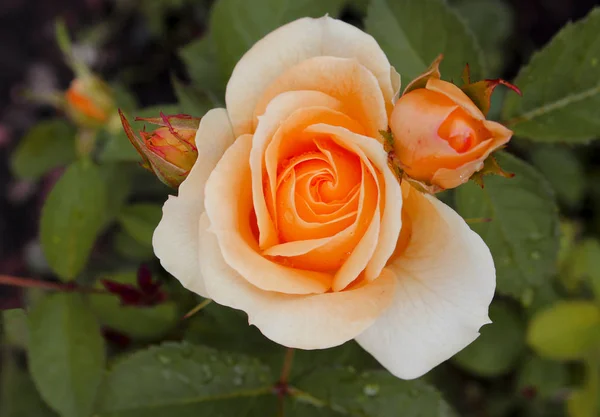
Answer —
197 308
287 366
36 283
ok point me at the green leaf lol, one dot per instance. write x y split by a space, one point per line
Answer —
117 147
561 87
192 100
523 234
492 23
66 353
18 395
568 330
585 402
129 248
564 171
414 33
200 58
72 218
584 265
184 380
140 220
47 145
14 323
118 178
498 348
545 376
142 323
373 394
237 24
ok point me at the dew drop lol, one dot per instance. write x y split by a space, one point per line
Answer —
238 380
535 255
371 390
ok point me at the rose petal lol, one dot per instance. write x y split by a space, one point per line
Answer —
300 321
344 79
446 281
456 95
229 206
291 44
391 205
175 239
279 109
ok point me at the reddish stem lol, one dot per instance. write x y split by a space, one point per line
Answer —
36 283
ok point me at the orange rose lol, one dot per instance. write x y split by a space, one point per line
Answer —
292 214
440 136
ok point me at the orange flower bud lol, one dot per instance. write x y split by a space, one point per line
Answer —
169 151
89 101
440 136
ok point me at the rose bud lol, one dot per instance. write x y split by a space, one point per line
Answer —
89 101
169 151
440 135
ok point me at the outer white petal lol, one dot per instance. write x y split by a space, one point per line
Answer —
175 239
446 281
287 46
314 321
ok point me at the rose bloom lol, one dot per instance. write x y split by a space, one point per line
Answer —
441 137
292 214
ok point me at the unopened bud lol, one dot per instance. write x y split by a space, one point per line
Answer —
169 151
89 102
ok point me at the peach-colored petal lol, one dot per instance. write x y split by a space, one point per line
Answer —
453 177
291 44
175 239
315 321
344 79
229 207
456 95
391 220
278 110
446 281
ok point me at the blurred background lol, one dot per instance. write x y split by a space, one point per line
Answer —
139 46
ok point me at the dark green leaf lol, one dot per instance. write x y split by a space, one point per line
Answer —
47 145
140 220
184 380
237 24
66 353
564 172
492 22
129 248
200 57
414 33
561 87
498 348
192 100
368 394
524 231
545 376
138 322
18 395
568 330
118 177
72 218
14 324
